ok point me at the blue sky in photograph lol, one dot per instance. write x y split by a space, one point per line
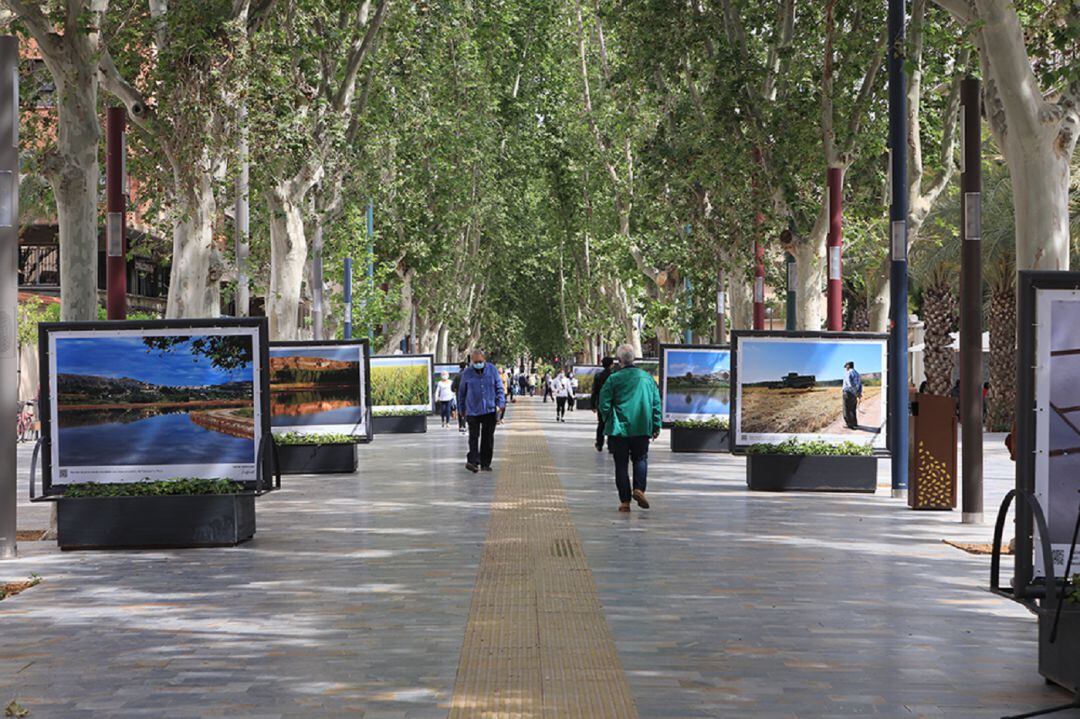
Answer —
397 361
118 357
768 361
342 354
679 362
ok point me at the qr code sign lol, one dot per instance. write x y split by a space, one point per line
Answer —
63 475
1058 555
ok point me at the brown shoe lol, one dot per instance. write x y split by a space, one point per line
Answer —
639 496
624 507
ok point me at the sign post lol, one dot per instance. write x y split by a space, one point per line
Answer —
9 287
835 293
116 218
971 371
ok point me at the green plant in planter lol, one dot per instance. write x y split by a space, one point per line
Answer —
400 413
1072 590
151 488
715 423
815 448
299 438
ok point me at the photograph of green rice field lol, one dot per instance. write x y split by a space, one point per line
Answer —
406 385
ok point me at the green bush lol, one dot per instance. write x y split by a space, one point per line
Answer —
399 412
162 487
299 438
815 448
715 423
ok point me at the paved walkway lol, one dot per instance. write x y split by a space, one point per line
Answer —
391 594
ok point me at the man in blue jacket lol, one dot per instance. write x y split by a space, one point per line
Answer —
481 397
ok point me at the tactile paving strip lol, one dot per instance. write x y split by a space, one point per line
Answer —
537 643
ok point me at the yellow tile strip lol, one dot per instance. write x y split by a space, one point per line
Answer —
537 643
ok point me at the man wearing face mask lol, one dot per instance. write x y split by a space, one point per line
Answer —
481 397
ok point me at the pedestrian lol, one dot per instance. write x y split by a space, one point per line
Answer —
594 398
570 403
523 384
532 384
460 407
630 408
560 388
444 397
481 395
547 387
852 393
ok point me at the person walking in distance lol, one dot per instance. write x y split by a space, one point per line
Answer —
572 401
482 396
444 396
547 388
594 397
630 408
454 386
852 393
560 387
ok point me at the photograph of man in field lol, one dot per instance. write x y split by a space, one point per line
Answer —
810 386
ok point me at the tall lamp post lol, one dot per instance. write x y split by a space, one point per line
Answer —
116 219
9 287
898 271
971 376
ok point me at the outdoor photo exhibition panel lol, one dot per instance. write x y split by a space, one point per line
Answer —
651 365
1050 400
320 388
695 382
152 400
789 385
586 375
402 383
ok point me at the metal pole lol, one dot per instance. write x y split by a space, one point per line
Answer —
835 293
971 374
243 219
348 298
371 260
792 274
898 273
759 286
9 287
116 220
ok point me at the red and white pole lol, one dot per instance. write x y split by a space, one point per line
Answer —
835 296
116 220
759 286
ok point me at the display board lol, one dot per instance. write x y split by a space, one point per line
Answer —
586 375
651 365
695 382
401 383
320 388
789 385
158 400
1056 414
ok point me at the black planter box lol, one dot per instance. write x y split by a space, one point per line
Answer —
584 404
687 439
155 522
404 424
317 458
793 473
1058 662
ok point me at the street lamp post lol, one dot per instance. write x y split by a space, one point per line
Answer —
9 287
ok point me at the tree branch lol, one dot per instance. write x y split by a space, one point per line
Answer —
357 55
49 41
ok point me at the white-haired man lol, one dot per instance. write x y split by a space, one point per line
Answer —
630 408
481 396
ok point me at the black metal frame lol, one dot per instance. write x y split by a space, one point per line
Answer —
298 344
431 372
663 367
737 335
264 463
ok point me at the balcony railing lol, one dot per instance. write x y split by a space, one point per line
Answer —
39 266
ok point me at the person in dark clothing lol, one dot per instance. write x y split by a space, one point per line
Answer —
483 396
547 388
454 386
598 384
852 393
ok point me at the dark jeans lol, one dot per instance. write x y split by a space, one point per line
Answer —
851 404
599 431
560 407
444 410
481 438
625 449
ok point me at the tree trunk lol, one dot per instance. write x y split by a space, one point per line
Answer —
193 237
741 301
809 253
1040 182
940 316
1001 400
288 253
73 173
879 304
318 306
442 352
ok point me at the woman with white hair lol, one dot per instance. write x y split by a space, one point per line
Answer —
630 408
444 397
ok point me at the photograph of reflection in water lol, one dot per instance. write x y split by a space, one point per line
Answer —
317 390
696 383
155 400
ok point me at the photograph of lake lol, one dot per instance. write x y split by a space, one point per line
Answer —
696 383
317 389
154 399
791 386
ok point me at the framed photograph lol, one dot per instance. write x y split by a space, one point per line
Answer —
799 385
320 388
585 374
695 382
152 400
651 365
401 383
1048 428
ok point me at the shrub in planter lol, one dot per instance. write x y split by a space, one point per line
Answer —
408 421
795 465
300 453
718 424
700 435
301 439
